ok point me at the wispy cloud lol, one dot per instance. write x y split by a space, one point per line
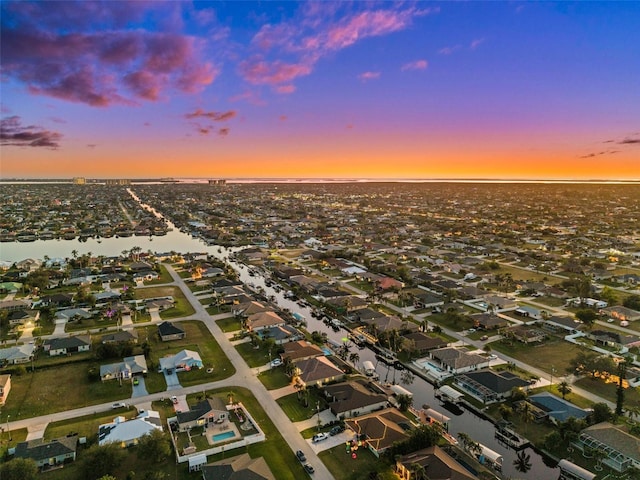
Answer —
417 65
319 29
597 154
476 43
12 132
214 116
630 141
55 49
449 50
366 76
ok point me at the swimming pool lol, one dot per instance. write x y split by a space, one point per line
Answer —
218 437
430 366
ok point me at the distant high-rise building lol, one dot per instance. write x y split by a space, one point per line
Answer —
79 180
117 181
217 182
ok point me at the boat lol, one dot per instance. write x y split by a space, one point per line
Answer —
489 457
448 394
506 435
369 369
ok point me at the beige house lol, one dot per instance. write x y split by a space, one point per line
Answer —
5 388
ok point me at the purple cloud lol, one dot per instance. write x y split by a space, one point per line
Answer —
449 50
13 133
55 51
629 141
417 65
476 43
260 72
366 76
215 116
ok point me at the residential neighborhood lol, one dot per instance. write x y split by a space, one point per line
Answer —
339 330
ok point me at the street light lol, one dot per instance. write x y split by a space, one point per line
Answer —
8 417
553 370
318 412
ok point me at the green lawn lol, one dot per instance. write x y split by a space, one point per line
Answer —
608 391
254 357
554 354
86 426
48 390
463 323
165 277
182 307
295 409
199 339
16 436
230 324
274 378
343 467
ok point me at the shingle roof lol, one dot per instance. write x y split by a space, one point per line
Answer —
40 450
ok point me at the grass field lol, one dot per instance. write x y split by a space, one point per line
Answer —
86 426
254 357
554 354
165 277
274 378
608 391
182 306
230 324
343 467
294 407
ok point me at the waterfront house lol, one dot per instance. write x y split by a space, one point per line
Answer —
317 371
380 429
300 350
622 448
262 320
436 464
457 360
352 398
489 386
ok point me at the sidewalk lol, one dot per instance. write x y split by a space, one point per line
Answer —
325 417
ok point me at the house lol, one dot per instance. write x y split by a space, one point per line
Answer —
106 296
281 334
622 448
455 360
17 354
70 314
436 464
5 387
21 317
621 313
500 304
130 366
184 360
488 321
418 343
240 467
529 312
262 320
351 399
57 300
145 276
613 339
159 304
388 283
317 371
489 386
249 308
12 305
427 300
380 429
122 336
170 331
48 454
558 323
128 432
525 334
67 345
207 412
300 350
555 408
389 323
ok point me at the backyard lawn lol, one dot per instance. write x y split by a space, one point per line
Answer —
86 426
255 357
182 307
199 339
295 409
343 467
274 378
230 324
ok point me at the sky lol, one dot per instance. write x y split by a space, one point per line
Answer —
399 90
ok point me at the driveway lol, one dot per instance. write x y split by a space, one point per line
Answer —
172 380
155 316
139 390
332 441
59 330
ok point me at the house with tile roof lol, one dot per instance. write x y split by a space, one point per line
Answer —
436 463
352 398
241 467
262 320
380 429
457 360
209 411
317 371
300 350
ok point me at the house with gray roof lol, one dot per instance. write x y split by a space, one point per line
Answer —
67 345
622 448
555 408
125 370
170 331
17 354
317 371
48 454
489 386
241 467
209 411
456 360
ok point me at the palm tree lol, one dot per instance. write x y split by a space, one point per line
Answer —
418 471
464 439
523 462
354 358
407 377
505 411
564 388
527 413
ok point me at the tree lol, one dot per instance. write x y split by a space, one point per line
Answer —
155 446
564 388
553 440
101 460
632 301
505 411
522 462
601 413
107 477
404 402
407 377
354 358
586 316
622 371
19 469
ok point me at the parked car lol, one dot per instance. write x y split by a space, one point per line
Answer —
484 337
174 399
276 362
336 430
300 455
136 381
118 405
318 437
308 468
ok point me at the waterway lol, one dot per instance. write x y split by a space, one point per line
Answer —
465 421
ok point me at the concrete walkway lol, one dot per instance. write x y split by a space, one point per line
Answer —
282 392
326 416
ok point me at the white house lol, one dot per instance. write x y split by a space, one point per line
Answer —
126 433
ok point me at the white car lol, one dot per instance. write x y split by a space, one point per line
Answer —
276 362
318 437
174 399
118 405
